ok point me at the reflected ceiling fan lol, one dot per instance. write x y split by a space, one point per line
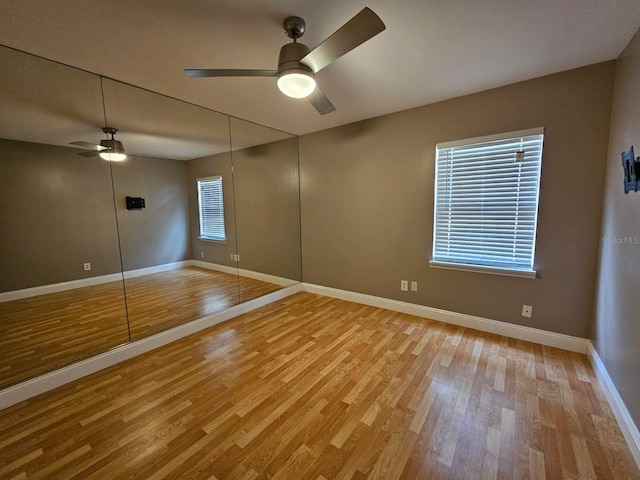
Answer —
297 64
111 149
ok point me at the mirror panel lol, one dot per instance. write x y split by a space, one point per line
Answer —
159 243
266 183
82 271
56 215
216 256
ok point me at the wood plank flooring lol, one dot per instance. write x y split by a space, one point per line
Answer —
316 388
40 334
160 301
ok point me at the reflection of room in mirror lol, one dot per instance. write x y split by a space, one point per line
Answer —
68 240
52 330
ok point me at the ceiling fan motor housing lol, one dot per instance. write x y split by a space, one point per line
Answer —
290 56
113 146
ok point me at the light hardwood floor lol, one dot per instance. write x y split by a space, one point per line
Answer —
316 388
42 333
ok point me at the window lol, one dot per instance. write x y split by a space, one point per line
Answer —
486 203
211 208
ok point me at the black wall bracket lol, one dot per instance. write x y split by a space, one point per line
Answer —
631 167
135 203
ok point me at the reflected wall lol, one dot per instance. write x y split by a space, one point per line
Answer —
61 291
81 272
162 136
266 182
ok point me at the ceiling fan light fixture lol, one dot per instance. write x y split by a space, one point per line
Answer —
296 83
114 151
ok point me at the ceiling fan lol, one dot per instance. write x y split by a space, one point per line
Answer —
298 64
108 149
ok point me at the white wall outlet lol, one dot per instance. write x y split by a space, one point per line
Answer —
201 254
231 256
404 285
414 286
527 311
236 257
87 267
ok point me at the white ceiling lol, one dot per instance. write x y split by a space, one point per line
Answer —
431 50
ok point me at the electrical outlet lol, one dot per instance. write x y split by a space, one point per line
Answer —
87 267
404 285
231 256
201 254
527 311
414 286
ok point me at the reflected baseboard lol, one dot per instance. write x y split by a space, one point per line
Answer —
264 277
87 282
114 277
58 287
43 383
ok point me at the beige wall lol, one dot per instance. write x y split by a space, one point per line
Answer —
367 201
56 213
261 204
159 233
207 250
267 208
617 307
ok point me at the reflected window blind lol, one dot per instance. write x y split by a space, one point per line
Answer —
486 200
211 208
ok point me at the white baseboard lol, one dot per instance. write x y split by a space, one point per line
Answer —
627 425
30 388
543 337
87 282
215 267
58 287
264 277
156 269
114 277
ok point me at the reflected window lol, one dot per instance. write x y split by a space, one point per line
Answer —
211 208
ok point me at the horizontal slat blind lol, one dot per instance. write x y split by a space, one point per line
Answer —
486 201
211 208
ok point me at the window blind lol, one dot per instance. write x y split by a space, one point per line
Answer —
211 208
486 200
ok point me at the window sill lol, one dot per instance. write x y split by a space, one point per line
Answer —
481 269
206 239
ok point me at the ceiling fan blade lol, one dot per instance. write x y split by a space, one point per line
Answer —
320 101
204 72
89 146
90 153
364 26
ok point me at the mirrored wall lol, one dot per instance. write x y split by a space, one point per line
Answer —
202 214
